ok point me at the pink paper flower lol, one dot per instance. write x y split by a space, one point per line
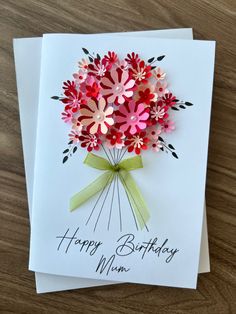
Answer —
96 116
98 68
67 116
117 86
155 144
83 64
74 136
131 117
168 126
80 77
161 88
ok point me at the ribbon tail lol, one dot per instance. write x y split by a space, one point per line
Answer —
138 203
93 188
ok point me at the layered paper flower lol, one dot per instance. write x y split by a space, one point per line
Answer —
117 86
131 117
122 102
96 116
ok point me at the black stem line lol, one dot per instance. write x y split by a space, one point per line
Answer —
122 155
111 156
130 205
163 143
102 205
111 207
118 195
114 153
106 154
123 181
100 195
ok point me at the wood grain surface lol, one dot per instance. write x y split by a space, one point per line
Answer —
211 20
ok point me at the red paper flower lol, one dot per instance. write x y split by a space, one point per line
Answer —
91 141
146 96
73 100
69 86
169 99
141 72
98 68
158 112
92 90
111 57
137 142
132 58
115 137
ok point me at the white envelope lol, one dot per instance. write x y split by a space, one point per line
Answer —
27 58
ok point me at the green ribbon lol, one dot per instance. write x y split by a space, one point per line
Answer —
122 170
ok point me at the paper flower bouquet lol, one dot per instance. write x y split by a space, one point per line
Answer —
117 106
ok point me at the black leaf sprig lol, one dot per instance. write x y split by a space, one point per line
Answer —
154 59
181 105
68 152
167 147
91 57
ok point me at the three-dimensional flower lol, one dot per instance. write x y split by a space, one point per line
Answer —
137 142
117 86
91 141
132 117
96 116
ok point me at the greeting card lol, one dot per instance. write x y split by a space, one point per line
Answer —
133 194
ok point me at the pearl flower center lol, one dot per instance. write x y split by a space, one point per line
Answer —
99 117
133 118
119 88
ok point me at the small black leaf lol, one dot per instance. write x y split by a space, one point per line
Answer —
161 139
174 108
160 58
66 151
175 100
90 59
70 142
98 57
171 146
55 97
182 107
85 51
74 149
188 103
150 60
65 159
161 148
152 68
175 155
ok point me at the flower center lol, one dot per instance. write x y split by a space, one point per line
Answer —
133 118
119 88
99 117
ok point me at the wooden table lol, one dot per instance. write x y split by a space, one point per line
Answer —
213 20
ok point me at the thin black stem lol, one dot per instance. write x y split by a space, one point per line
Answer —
130 205
102 205
122 155
106 154
111 207
123 181
100 195
118 195
109 151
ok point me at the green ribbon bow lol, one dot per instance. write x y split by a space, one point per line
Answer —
122 170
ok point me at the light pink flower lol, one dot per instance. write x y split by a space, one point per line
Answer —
159 74
153 132
67 116
74 136
155 144
96 116
168 126
83 64
117 86
161 88
80 77
131 117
